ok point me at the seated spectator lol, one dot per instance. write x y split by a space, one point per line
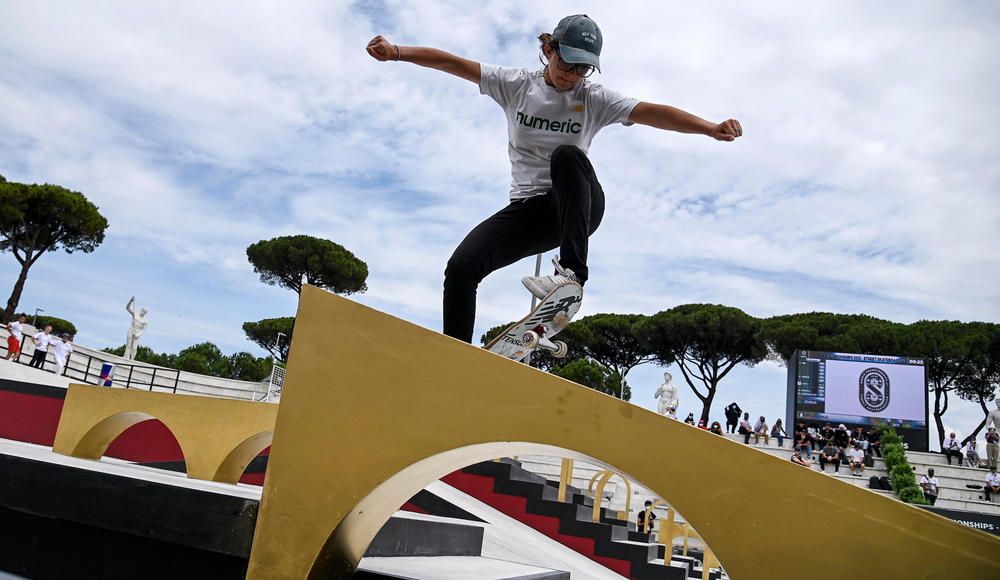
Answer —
992 482
745 428
952 447
842 437
830 454
689 419
857 458
992 447
779 431
874 447
797 459
641 518
803 445
815 438
972 458
715 428
861 438
701 425
760 429
929 484
826 432
672 412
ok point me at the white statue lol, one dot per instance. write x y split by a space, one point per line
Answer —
135 330
667 394
993 418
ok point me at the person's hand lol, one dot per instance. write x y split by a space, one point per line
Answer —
382 50
727 131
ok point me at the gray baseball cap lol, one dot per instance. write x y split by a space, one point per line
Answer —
579 40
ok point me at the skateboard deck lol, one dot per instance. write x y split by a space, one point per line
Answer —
550 316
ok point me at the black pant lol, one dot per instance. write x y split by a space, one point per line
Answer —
731 426
933 498
875 449
823 461
987 490
949 452
564 218
38 359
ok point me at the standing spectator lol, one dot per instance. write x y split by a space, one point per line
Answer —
760 428
929 484
972 454
992 446
830 454
797 459
641 518
14 340
61 349
745 428
874 446
857 458
716 428
951 446
992 482
779 431
732 417
42 341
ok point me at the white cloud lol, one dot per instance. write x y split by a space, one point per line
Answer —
866 180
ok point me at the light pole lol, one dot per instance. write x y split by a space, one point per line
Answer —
35 317
277 340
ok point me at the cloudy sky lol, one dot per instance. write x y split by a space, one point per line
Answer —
866 181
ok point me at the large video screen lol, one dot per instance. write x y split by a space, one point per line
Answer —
859 390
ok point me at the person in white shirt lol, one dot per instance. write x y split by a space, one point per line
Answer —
14 340
857 458
556 200
41 341
929 484
745 428
992 482
952 446
61 350
760 428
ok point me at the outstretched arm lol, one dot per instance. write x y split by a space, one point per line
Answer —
129 307
674 119
382 50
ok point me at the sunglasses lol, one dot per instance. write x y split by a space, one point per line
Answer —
581 70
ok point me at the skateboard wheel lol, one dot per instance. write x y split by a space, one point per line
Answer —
530 339
561 349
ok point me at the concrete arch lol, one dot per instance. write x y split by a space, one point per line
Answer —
233 466
215 435
405 400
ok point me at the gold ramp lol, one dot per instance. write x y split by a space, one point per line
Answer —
375 408
219 437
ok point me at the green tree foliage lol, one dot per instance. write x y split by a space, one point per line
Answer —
283 261
264 333
947 347
206 359
610 340
825 331
706 341
35 219
979 378
591 374
58 325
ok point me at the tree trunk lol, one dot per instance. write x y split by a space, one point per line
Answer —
15 295
986 415
706 403
938 412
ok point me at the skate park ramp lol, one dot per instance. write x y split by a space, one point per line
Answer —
375 408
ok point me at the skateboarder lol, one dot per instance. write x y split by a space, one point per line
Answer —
556 200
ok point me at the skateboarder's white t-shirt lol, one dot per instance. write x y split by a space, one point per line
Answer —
541 117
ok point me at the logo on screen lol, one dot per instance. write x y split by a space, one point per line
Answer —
873 390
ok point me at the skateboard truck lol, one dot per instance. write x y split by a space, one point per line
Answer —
535 338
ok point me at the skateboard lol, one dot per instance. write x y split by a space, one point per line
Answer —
536 329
